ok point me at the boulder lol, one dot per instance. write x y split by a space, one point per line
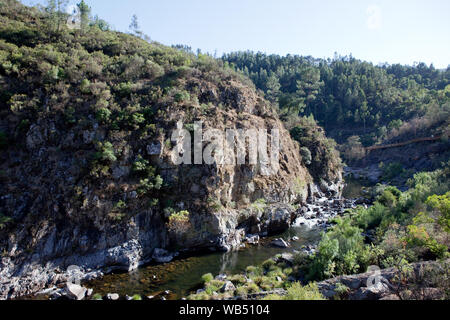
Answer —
221 277
280 243
228 287
252 239
162 256
286 258
373 292
154 149
75 291
112 296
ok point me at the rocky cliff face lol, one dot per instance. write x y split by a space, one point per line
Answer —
86 173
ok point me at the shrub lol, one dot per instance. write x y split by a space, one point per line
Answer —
141 167
103 115
105 152
298 292
242 291
4 220
268 264
97 296
372 217
179 224
341 251
441 205
238 279
85 86
147 185
306 155
392 170
182 96
259 205
207 278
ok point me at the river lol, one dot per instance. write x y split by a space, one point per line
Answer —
183 276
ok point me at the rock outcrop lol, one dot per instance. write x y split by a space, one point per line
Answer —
88 179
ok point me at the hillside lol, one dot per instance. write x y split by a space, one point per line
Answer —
86 118
358 104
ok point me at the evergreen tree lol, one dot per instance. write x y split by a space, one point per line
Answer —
85 12
134 26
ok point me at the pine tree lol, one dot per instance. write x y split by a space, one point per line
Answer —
85 11
56 10
134 26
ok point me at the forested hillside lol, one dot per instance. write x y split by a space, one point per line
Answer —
350 97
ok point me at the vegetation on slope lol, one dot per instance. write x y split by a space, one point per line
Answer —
350 97
399 229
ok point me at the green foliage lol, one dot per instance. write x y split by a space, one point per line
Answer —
207 278
148 185
341 251
141 167
182 96
179 226
441 205
392 170
298 292
97 296
4 220
85 86
103 115
306 155
238 279
348 93
268 264
105 152
259 205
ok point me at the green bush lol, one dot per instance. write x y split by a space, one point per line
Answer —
105 152
297 292
207 278
4 220
392 170
103 115
341 251
85 86
306 155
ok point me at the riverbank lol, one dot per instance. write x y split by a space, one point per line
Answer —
182 276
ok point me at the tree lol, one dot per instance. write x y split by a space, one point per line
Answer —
364 114
134 26
56 11
85 11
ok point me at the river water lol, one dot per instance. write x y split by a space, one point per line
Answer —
183 276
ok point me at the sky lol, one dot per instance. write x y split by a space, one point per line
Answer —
392 31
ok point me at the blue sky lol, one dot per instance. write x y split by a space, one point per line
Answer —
393 31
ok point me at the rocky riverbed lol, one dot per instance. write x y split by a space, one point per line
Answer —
176 274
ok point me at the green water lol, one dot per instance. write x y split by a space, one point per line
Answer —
354 188
183 276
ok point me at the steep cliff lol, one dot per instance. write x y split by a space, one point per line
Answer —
86 172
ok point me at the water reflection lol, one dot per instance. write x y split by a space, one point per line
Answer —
183 276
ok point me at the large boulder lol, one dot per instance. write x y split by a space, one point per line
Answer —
281 243
75 291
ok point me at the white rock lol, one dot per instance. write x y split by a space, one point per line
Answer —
280 243
228 286
75 291
112 296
